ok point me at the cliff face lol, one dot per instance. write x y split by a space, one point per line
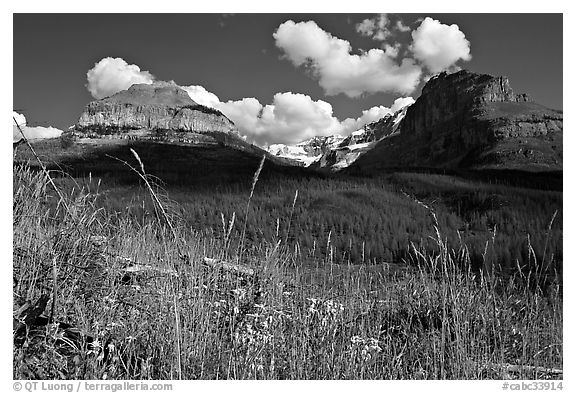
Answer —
160 107
474 121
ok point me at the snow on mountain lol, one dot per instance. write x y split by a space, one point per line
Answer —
294 152
308 151
336 152
398 117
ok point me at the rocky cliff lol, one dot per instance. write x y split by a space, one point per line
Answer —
157 111
468 120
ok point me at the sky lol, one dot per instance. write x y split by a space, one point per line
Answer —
281 78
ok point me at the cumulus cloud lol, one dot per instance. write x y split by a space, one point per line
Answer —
392 50
290 118
400 26
111 75
439 46
374 114
20 119
202 96
401 102
377 27
368 116
31 132
339 71
380 27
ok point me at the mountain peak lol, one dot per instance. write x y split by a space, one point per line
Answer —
159 111
159 93
482 87
470 120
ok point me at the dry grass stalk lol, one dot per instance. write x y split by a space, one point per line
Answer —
254 181
62 200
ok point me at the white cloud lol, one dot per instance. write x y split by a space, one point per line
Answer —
401 26
377 27
31 132
374 114
202 96
368 116
380 27
392 50
401 102
339 71
20 119
439 46
366 27
245 114
111 75
291 117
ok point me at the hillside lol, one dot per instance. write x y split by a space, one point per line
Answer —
474 121
225 162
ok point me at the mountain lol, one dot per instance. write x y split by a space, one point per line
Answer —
377 130
307 152
161 111
462 120
178 140
360 142
473 121
335 152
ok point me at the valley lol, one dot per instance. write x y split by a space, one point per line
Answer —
426 245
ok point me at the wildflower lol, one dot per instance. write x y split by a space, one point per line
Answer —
357 340
333 307
109 299
368 347
372 345
240 293
94 347
313 308
366 356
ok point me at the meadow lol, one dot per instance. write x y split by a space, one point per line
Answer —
407 275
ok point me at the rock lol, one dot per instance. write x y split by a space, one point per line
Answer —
307 152
468 120
359 142
321 144
335 152
158 111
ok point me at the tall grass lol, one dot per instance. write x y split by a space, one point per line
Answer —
432 317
